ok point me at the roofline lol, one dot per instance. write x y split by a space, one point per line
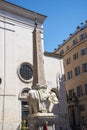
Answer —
69 38
53 55
18 10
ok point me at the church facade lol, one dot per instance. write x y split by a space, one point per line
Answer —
16 67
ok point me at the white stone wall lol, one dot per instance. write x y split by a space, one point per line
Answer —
15 48
54 68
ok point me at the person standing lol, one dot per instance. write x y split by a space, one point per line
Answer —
45 127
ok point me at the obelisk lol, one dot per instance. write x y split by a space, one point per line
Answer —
38 60
38 97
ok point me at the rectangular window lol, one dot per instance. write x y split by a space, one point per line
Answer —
84 51
67 47
84 67
62 52
83 36
81 107
69 75
77 70
75 56
85 86
71 94
79 91
24 110
68 61
75 41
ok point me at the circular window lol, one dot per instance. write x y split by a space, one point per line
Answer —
25 72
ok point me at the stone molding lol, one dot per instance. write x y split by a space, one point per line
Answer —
17 10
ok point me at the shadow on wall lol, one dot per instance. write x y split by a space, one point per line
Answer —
62 97
19 127
61 109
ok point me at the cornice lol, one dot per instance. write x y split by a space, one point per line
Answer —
77 32
51 54
17 10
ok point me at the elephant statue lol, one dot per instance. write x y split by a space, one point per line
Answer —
41 101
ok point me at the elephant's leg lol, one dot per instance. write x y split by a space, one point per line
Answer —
35 107
30 108
51 107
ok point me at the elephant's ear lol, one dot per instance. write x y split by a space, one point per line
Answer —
55 90
53 98
28 96
28 99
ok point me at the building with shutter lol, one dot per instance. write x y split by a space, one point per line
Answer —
74 51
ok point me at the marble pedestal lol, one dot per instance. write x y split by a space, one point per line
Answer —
36 121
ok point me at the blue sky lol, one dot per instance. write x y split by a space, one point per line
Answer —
63 16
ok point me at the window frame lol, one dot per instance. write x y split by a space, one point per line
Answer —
20 76
84 51
75 41
77 70
71 94
84 67
69 75
68 61
82 107
85 87
67 47
24 112
79 91
83 36
75 56
62 52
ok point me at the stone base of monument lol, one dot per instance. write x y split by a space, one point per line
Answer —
36 121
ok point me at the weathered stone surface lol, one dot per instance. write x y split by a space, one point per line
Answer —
37 121
38 97
38 61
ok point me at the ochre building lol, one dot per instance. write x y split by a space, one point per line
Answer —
74 51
